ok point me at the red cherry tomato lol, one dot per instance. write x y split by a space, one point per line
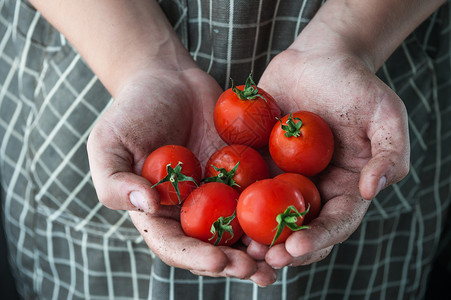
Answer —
269 210
209 214
236 165
174 171
245 115
302 143
308 190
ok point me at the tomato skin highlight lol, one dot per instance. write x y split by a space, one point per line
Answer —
155 169
308 190
204 206
245 122
310 152
252 167
261 203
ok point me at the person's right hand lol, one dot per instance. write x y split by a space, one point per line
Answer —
153 109
161 97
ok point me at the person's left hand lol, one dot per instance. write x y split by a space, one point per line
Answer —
369 123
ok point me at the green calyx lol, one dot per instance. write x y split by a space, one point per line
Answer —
292 128
221 225
174 176
288 219
250 91
224 176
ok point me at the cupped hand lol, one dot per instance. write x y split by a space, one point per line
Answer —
152 109
369 123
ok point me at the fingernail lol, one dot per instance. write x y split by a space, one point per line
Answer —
381 184
138 200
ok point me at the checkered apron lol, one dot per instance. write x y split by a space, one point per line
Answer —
64 244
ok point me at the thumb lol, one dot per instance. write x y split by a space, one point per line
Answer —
116 184
384 169
390 150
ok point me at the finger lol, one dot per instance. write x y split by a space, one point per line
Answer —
388 132
117 186
278 257
338 219
265 275
312 257
256 250
239 265
246 240
384 169
166 239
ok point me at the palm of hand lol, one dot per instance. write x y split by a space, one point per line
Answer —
158 109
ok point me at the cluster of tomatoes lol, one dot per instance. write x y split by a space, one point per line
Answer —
236 194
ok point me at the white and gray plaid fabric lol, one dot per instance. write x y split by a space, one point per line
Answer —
65 245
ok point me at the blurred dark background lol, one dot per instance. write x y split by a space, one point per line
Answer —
7 284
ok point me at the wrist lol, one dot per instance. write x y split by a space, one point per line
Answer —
322 39
152 49
370 30
166 61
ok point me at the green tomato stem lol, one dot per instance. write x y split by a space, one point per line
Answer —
220 226
292 128
288 218
174 176
250 91
224 176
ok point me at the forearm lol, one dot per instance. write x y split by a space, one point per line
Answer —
117 38
371 29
